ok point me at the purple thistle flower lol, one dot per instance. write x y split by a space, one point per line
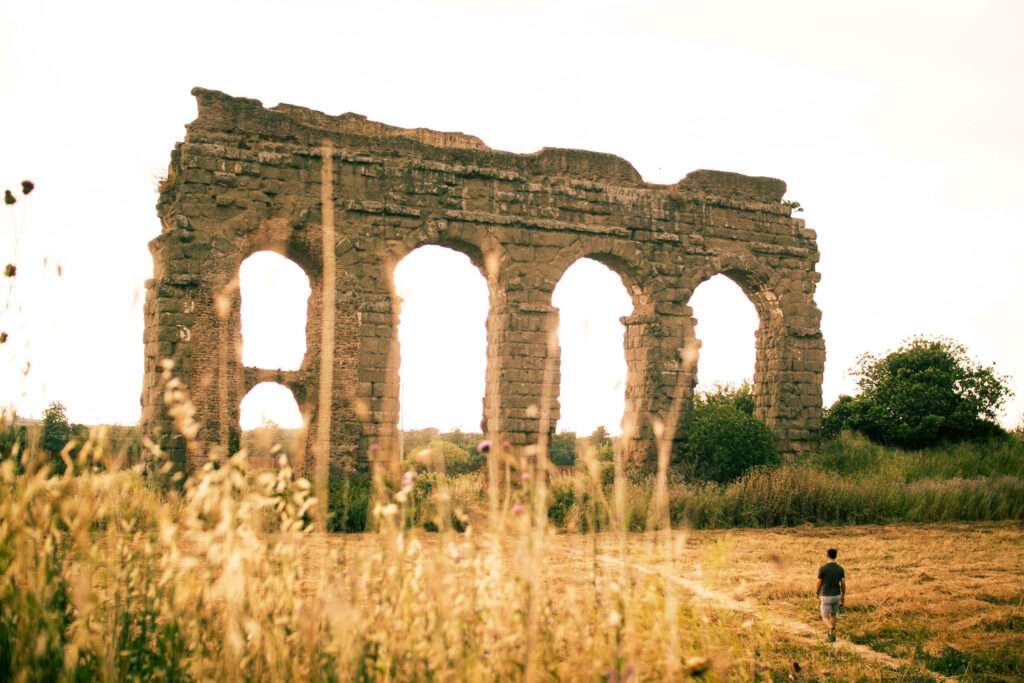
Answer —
484 446
518 509
614 676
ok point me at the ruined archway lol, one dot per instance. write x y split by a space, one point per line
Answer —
592 377
271 424
442 339
274 298
726 326
346 198
789 351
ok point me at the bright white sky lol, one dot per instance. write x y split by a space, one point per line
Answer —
898 126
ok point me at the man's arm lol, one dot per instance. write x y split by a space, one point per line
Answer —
817 591
842 590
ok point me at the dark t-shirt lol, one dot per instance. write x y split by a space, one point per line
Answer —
830 574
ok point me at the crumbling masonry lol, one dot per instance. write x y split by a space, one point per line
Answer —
292 180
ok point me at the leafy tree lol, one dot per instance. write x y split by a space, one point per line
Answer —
56 428
562 449
603 443
723 442
739 397
843 414
600 437
926 392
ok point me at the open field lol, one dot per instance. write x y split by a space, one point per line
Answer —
925 601
104 576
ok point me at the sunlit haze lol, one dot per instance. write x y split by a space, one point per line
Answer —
899 127
443 340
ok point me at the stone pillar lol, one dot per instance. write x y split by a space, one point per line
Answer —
661 357
522 373
373 397
193 322
790 370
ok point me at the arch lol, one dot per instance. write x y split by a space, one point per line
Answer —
726 324
436 359
759 285
269 402
593 365
622 258
645 342
270 420
274 300
752 277
286 235
479 246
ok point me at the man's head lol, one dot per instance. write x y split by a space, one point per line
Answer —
832 553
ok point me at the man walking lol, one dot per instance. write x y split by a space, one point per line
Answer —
831 591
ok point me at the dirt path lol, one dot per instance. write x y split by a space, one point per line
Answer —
797 630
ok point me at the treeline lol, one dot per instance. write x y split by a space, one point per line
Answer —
57 439
563 447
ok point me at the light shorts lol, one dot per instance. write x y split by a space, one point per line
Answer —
830 605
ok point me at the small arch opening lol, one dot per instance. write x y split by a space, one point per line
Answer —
269 403
269 416
442 335
274 300
727 324
591 299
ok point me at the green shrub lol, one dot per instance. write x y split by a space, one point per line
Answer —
927 392
854 455
563 498
841 415
562 449
457 460
348 502
723 442
797 494
851 481
13 441
739 397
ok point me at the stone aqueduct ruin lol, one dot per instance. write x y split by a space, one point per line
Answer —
346 199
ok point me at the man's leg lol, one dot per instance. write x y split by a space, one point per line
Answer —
828 615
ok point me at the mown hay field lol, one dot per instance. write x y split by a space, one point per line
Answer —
925 601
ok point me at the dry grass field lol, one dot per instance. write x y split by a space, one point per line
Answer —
104 576
926 602
949 598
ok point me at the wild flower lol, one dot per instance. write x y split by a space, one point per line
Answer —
409 478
